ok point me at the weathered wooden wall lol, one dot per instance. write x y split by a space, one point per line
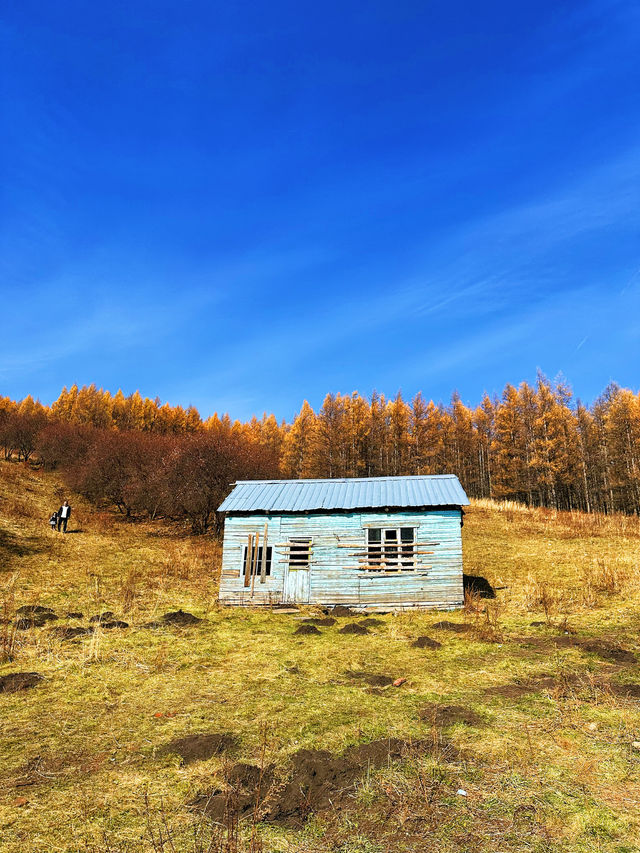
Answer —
334 575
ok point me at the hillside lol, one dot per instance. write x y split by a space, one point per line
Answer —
516 733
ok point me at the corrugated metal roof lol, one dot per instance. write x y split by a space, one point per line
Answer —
353 493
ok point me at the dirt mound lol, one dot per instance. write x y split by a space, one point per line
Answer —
353 628
456 627
74 614
33 616
317 781
371 623
538 624
107 616
448 715
478 586
246 788
15 681
35 610
426 643
307 629
199 747
180 617
320 781
322 622
370 678
69 633
114 623
342 610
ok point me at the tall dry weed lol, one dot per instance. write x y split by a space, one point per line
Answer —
609 577
7 627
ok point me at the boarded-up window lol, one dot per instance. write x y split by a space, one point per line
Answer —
256 560
299 553
391 548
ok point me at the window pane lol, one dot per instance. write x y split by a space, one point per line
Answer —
391 535
374 534
406 534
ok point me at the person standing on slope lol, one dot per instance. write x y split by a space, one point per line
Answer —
64 514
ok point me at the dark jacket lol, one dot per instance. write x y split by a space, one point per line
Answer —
68 512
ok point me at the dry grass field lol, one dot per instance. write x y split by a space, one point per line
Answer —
234 733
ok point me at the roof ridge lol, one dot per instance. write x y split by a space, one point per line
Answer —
354 479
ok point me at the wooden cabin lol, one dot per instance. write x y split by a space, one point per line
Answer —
375 542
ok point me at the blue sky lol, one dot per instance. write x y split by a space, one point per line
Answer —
243 205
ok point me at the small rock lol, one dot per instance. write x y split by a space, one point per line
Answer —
461 792
399 682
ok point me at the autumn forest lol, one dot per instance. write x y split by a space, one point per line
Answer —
534 444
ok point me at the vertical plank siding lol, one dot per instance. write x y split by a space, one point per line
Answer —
335 575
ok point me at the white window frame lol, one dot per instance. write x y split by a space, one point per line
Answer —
399 562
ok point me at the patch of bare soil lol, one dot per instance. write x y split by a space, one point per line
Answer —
317 781
33 616
15 681
307 629
629 691
558 686
114 623
320 621
426 643
371 623
75 614
610 651
606 650
199 747
370 678
455 627
448 715
49 769
353 628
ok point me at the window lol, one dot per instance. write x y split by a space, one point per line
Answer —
256 565
299 553
391 548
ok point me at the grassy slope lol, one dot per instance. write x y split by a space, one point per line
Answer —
551 770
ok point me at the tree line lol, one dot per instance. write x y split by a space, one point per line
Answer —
532 444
